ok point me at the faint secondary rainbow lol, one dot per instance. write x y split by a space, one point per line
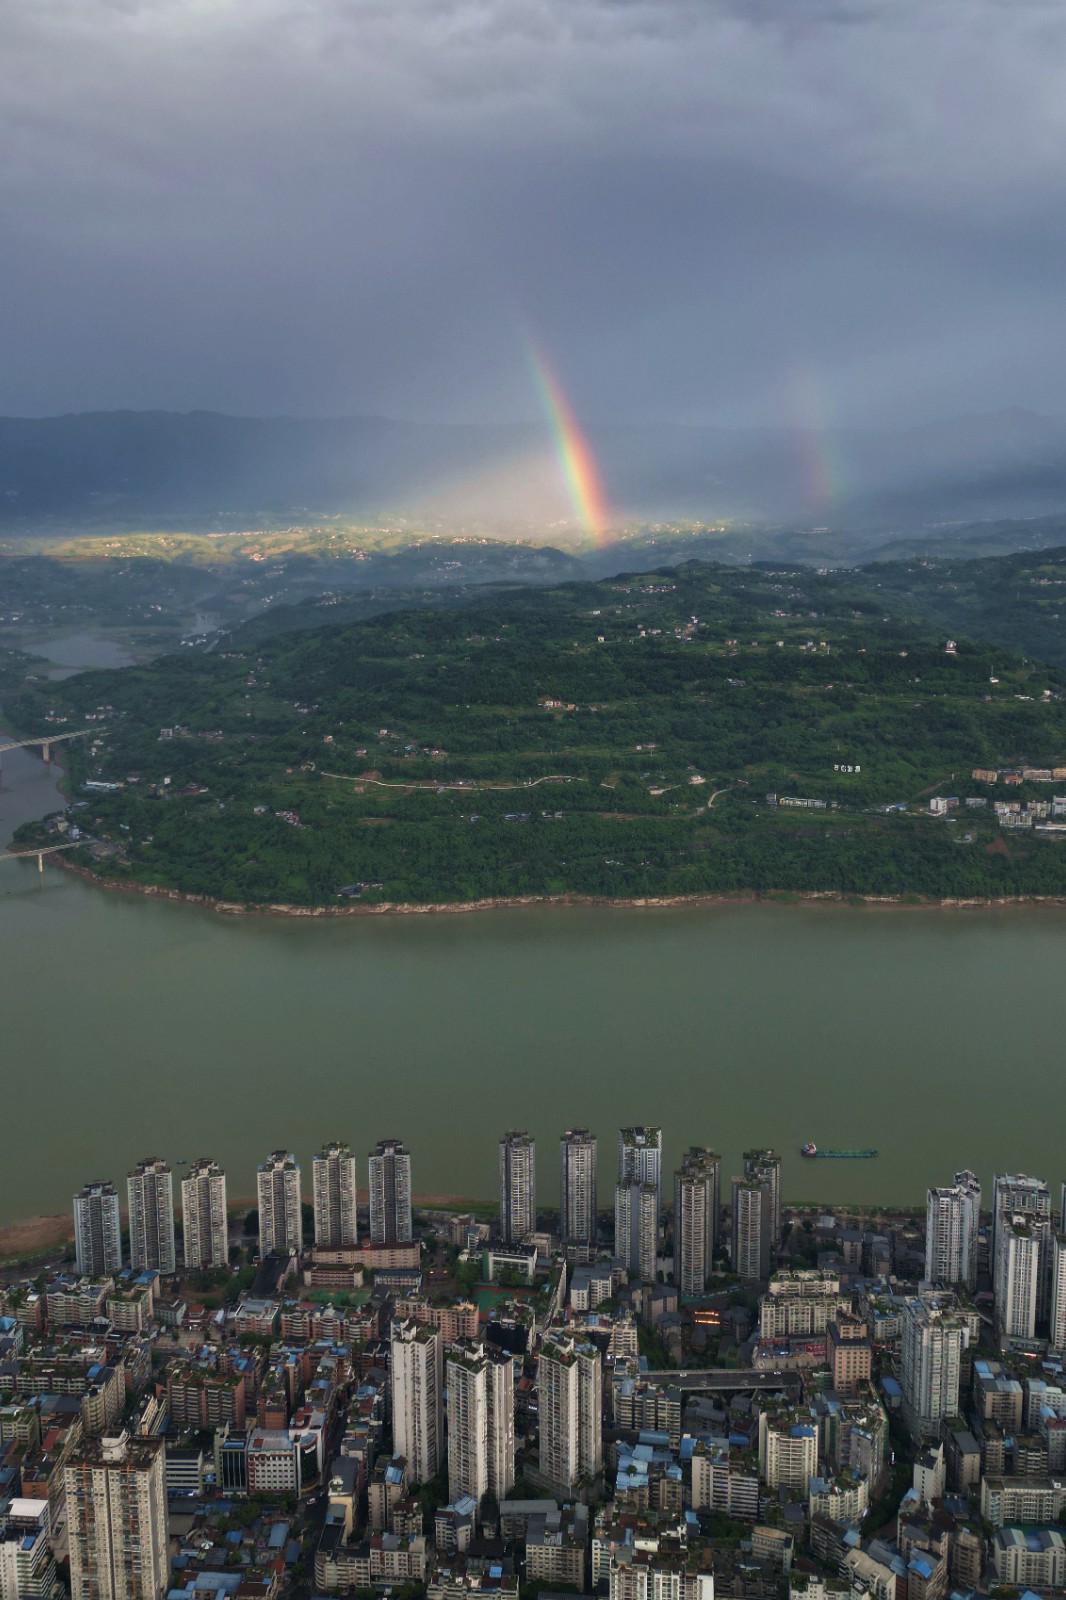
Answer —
573 451
820 467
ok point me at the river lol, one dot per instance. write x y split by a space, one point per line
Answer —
133 1026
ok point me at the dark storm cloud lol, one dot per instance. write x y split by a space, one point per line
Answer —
704 210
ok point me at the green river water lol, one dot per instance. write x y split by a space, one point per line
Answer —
132 1026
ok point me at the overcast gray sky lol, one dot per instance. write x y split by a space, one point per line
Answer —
703 210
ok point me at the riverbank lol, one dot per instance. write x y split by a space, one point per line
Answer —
775 897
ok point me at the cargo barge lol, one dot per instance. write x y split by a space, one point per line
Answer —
811 1150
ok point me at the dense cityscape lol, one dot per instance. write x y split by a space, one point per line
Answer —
746 1399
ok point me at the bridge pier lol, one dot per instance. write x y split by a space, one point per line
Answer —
46 751
40 863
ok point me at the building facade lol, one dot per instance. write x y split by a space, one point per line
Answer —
416 1379
569 1374
518 1186
204 1218
933 1340
280 1213
952 1221
390 1193
764 1166
636 1228
481 1437
98 1230
640 1158
697 1204
1023 1247
150 1191
117 1519
577 1193
752 1212
334 1187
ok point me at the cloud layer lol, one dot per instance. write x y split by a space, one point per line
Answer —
706 210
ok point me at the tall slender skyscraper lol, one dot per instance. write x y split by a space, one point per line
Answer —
952 1221
335 1186
933 1339
416 1378
577 1193
518 1186
280 1212
764 1166
1016 1195
752 1212
640 1157
1058 1294
697 1202
480 1383
203 1215
116 1505
1024 1250
636 1228
390 1193
150 1187
570 1410
98 1230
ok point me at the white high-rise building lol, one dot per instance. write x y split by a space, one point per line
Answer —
150 1188
27 1567
416 1378
764 1166
518 1186
636 1228
117 1518
934 1337
335 1190
203 1215
1023 1246
1058 1294
570 1409
752 1212
952 1223
640 1158
697 1203
1018 1195
481 1449
788 1449
98 1230
577 1193
390 1193
280 1213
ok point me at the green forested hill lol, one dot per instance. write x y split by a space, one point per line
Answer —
618 738
1018 601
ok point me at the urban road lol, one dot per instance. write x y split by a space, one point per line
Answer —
726 1380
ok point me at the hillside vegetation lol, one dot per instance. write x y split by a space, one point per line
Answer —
618 738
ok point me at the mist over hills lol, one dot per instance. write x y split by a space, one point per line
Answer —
205 469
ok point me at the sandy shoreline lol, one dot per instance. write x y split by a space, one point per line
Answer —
48 1233
779 897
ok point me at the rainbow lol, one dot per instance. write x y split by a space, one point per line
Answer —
820 467
573 451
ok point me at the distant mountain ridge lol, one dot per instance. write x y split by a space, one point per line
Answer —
208 469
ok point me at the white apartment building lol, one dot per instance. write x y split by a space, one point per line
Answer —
416 1379
150 1190
204 1219
334 1188
569 1381
481 1438
280 1214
